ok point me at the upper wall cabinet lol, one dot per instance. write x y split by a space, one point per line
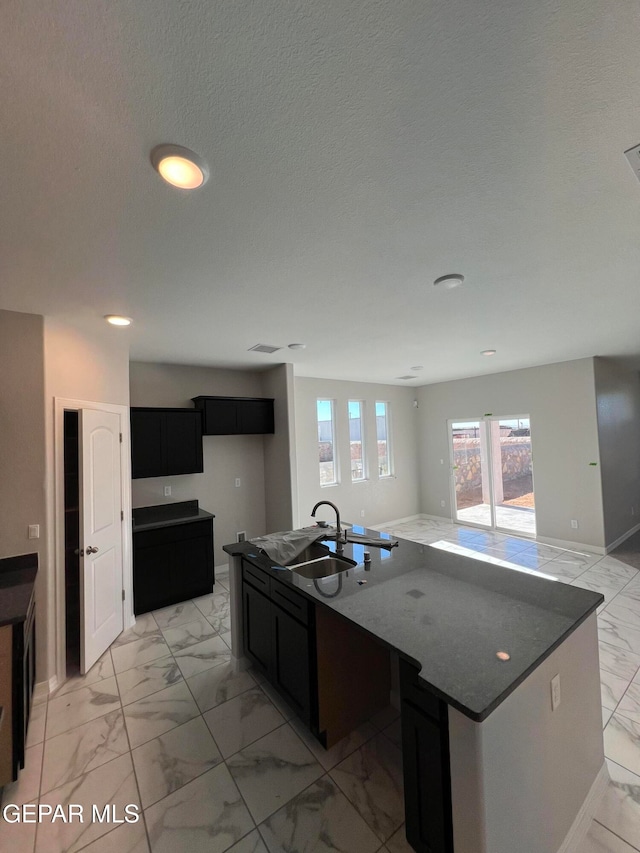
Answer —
235 415
165 442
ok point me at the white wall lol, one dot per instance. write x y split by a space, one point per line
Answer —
381 499
22 451
226 457
280 471
618 408
85 359
519 778
560 398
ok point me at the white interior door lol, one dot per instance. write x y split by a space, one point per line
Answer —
101 616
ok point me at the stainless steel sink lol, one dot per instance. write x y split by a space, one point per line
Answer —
311 552
317 561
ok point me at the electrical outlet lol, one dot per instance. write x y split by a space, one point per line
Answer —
237 482
167 491
555 692
574 523
361 513
34 531
241 536
442 504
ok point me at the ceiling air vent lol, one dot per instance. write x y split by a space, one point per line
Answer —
263 348
406 377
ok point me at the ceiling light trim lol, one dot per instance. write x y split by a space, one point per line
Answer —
449 281
167 152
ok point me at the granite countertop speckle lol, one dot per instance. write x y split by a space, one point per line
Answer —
449 614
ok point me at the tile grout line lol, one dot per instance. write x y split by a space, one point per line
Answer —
624 840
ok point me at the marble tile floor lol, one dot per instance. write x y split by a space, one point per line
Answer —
218 762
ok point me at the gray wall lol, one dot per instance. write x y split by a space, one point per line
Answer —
618 407
280 478
226 457
380 499
22 449
560 398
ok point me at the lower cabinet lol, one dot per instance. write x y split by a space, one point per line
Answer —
425 758
17 681
279 644
172 564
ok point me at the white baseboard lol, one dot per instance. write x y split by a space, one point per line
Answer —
396 521
571 546
221 570
41 690
621 539
574 841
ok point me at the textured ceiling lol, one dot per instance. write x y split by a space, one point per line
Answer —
357 151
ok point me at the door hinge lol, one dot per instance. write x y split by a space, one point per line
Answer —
120 438
121 515
123 595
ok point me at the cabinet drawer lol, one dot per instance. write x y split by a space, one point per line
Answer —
255 577
295 604
173 533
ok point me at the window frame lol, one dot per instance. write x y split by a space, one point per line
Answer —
387 420
334 443
363 443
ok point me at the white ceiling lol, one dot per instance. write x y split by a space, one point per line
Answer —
357 151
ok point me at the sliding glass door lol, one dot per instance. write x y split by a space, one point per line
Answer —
492 473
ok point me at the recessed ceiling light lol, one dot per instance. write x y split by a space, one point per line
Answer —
179 166
488 352
417 367
449 281
117 320
297 346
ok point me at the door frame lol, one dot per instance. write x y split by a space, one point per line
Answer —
62 404
452 486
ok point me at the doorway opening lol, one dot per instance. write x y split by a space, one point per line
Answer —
71 542
492 473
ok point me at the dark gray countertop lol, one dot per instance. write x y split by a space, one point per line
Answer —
17 577
166 515
449 614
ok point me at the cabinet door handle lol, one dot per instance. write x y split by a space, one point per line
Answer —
91 550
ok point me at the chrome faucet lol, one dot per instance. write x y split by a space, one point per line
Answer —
339 539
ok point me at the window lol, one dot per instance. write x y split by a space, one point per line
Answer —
326 443
384 442
356 441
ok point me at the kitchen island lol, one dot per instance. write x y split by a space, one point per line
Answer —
489 766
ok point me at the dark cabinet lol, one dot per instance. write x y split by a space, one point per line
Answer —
257 628
172 564
279 639
17 681
235 415
425 759
290 663
165 442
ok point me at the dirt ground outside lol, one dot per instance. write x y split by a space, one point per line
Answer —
516 493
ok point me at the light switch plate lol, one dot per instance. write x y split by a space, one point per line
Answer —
34 531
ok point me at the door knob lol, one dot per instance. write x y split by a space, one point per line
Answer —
91 550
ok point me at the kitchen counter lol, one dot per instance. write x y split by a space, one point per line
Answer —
167 515
17 578
448 614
